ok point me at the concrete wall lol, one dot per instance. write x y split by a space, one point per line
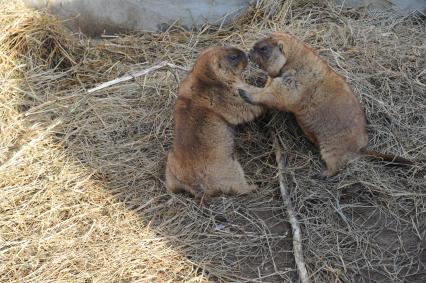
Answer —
95 17
405 6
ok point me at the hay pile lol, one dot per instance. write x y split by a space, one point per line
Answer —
81 175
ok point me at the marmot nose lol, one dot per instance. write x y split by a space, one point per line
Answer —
250 55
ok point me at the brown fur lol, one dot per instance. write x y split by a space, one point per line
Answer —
323 103
208 107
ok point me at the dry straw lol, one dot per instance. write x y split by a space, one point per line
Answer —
81 176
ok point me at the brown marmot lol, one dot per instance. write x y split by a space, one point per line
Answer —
324 105
201 160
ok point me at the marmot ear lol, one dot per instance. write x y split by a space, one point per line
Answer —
281 47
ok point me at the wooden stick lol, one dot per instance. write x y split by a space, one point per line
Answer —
137 74
297 234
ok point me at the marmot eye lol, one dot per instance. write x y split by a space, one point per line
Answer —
233 57
263 49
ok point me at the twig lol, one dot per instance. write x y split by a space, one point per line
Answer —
297 235
29 145
137 74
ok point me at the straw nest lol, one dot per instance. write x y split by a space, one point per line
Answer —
81 176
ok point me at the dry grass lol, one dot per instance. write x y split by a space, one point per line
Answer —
81 175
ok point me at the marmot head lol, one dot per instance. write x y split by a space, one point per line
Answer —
219 65
269 55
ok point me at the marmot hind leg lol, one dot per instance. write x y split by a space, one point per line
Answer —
335 159
175 186
172 183
229 178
